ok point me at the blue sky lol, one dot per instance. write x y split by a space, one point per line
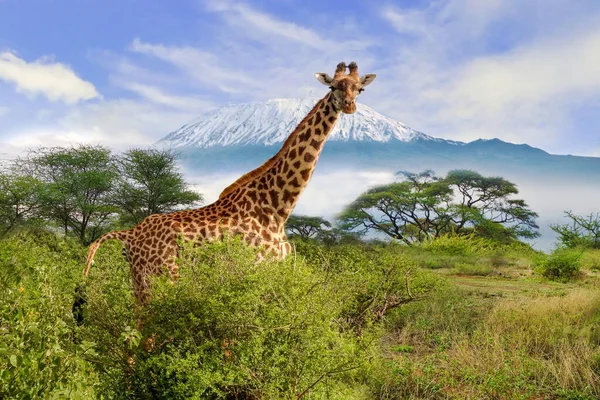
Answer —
125 73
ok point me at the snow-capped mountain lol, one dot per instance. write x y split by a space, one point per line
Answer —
239 137
270 122
367 148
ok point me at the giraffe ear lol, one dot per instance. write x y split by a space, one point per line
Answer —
324 78
367 79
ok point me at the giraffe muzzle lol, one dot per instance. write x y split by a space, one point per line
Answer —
349 107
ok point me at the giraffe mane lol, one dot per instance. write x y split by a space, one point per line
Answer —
249 176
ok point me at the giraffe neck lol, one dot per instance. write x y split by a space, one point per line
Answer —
294 163
276 185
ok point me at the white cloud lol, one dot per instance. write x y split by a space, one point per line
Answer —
123 123
242 15
448 23
330 191
441 69
8 151
4 110
55 81
533 74
157 96
118 124
203 66
525 94
460 78
409 22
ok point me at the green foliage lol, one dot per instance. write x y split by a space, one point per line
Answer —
458 245
20 200
403 348
590 259
39 356
410 210
561 264
583 231
306 227
150 183
77 187
344 321
302 327
422 206
380 278
471 255
83 189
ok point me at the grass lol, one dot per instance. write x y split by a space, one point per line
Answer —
501 329
590 260
486 338
473 269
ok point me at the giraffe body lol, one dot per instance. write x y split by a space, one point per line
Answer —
256 206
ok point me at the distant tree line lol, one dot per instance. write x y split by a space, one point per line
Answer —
87 190
84 191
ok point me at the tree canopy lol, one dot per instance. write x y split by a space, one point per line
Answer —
87 190
307 227
423 205
78 185
150 183
20 199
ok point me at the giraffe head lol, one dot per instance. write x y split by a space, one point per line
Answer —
345 88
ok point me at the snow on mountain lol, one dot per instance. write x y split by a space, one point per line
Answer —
271 122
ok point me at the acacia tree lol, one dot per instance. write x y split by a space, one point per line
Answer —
77 187
420 206
485 205
307 227
20 199
583 231
408 210
150 183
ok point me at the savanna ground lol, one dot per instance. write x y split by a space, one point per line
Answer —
457 318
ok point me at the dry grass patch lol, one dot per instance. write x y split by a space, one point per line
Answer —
552 340
505 348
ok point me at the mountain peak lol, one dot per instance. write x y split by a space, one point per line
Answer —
270 122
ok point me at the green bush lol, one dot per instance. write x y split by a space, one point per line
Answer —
561 264
234 328
308 326
39 354
463 245
591 259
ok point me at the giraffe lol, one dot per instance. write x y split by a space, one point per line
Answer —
255 206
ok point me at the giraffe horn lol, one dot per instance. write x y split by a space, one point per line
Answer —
340 70
353 70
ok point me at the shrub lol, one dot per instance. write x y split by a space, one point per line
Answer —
233 327
458 245
39 357
561 264
591 259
